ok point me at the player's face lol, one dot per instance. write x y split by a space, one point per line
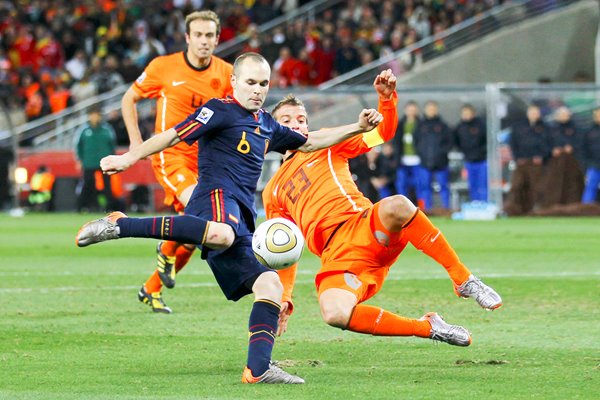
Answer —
293 117
251 85
467 114
431 110
533 114
202 39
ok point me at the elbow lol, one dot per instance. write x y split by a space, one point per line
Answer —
309 147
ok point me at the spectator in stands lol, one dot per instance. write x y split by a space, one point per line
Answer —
49 52
263 11
61 97
591 146
77 65
530 146
36 100
470 136
95 141
433 141
117 123
564 173
84 88
283 69
385 171
269 49
408 162
107 76
41 184
346 57
323 59
364 169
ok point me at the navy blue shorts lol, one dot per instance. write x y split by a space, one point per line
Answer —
235 268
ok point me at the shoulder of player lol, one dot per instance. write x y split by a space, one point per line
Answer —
220 63
166 61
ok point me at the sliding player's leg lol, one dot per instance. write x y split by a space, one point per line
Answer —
398 214
354 267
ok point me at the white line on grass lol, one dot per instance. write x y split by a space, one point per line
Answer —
305 282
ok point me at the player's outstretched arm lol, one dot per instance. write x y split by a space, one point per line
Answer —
114 164
367 119
130 117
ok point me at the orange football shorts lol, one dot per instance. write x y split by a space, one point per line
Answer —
359 256
175 176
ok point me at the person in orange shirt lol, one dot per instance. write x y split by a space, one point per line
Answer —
356 240
181 82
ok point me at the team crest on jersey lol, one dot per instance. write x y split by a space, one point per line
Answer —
215 83
141 78
204 115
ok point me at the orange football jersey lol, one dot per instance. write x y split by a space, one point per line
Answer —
180 89
316 190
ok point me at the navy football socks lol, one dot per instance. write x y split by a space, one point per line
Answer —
180 228
262 330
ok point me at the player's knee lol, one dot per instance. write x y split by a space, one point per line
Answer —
220 236
335 314
268 286
189 247
397 209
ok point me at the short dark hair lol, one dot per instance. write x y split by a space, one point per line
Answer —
249 55
95 109
289 100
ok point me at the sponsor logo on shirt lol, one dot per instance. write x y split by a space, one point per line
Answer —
204 115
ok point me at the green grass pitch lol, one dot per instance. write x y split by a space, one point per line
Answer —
71 326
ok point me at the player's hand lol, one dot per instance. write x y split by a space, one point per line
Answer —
385 84
369 119
114 164
284 316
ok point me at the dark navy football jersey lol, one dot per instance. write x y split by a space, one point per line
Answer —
232 145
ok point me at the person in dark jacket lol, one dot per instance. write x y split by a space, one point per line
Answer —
591 153
433 141
470 136
96 140
564 173
530 145
408 163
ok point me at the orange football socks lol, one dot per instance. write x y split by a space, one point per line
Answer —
153 284
182 256
376 321
421 232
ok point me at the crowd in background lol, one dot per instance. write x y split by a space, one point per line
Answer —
56 53
556 161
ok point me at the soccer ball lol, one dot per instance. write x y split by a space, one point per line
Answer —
277 243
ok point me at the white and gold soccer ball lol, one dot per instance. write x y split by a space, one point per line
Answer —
277 243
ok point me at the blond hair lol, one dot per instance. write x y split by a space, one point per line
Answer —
206 15
289 100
